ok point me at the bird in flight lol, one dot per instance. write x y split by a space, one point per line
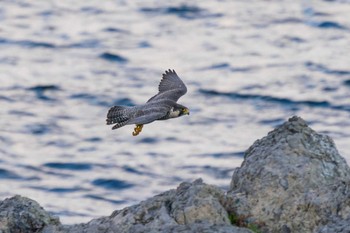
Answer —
162 106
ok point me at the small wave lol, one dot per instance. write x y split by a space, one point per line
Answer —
273 122
69 166
113 29
60 143
112 183
91 99
65 190
144 44
7 99
87 149
229 67
282 101
182 11
287 21
89 43
58 189
148 140
99 198
218 66
27 43
223 155
39 128
92 10
21 113
132 170
47 13
9 60
42 88
113 57
321 68
5 174
294 39
138 172
329 25
330 89
48 172
93 139
41 91
347 82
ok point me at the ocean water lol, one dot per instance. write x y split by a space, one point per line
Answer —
248 66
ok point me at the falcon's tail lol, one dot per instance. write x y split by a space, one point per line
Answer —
117 115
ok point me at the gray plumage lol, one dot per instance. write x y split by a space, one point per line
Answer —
162 106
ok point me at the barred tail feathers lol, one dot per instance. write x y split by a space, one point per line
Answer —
117 115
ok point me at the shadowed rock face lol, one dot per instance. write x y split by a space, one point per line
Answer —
292 180
23 215
192 207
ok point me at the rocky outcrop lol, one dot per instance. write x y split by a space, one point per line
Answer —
292 180
192 207
20 214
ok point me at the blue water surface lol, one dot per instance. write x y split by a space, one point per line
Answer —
248 66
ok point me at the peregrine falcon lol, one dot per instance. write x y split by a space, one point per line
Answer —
162 106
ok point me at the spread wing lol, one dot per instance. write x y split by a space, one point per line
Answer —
170 87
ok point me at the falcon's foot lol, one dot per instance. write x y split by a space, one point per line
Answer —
137 130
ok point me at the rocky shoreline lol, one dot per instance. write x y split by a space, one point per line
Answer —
292 180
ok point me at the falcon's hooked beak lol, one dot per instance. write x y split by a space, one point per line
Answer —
185 111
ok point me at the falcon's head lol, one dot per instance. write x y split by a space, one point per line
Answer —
178 110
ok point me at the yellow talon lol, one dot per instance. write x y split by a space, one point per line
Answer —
137 130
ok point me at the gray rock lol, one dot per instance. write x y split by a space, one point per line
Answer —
336 225
292 180
22 215
192 207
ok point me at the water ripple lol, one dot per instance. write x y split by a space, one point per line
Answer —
229 67
27 43
5 174
329 25
91 99
112 183
223 154
321 68
281 101
273 122
69 166
100 198
182 11
41 91
113 57
58 189
149 140
21 113
347 83
39 128
92 10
